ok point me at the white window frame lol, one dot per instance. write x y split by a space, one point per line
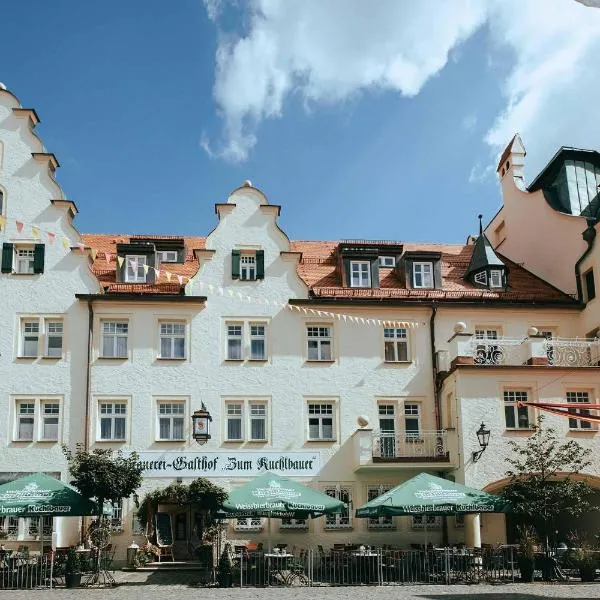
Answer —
256 336
425 520
410 411
424 270
293 524
511 396
485 332
54 329
234 332
242 334
251 524
171 417
341 520
496 278
166 256
319 411
36 412
320 334
576 397
44 325
139 275
387 262
386 411
30 329
244 410
119 332
24 256
172 330
116 519
481 278
360 277
394 337
112 409
386 522
247 266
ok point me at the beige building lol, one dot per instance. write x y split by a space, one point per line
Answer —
350 365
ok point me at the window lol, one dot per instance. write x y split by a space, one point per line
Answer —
496 278
54 339
172 340
41 334
319 343
112 421
387 430
373 491
485 353
31 338
387 261
116 519
516 417
581 398
258 348
395 344
481 278
246 420
459 521
341 520
360 273
412 422
168 256
248 267
24 258
134 268
248 524
32 527
170 420
549 335
50 421
136 526
426 521
294 524
235 422
234 341
590 286
114 339
423 275
25 420
320 421
10 527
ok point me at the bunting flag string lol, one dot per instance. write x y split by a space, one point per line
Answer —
37 232
562 410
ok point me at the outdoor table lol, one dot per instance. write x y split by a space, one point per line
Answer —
278 567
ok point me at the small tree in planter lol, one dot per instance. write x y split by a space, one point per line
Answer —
72 569
527 548
225 572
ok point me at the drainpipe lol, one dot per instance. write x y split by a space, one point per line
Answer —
88 376
589 235
436 399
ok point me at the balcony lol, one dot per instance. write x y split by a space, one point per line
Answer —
536 350
425 446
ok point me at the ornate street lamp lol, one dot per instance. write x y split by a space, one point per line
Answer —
483 437
201 425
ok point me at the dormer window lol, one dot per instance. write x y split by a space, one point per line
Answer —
247 265
423 275
168 256
496 278
387 261
360 273
486 268
135 272
481 278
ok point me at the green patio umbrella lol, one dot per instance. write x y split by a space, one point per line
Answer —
270 495
39 495
426 494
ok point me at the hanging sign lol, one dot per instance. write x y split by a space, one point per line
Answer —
229 464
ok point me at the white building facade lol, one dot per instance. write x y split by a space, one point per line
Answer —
350 366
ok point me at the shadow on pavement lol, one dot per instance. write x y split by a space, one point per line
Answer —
501 596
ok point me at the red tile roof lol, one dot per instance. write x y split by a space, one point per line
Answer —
320 271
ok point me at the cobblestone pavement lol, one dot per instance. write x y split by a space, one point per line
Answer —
181 585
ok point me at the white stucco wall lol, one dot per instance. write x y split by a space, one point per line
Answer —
28 187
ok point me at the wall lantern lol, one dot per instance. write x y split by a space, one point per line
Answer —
201 425
483 437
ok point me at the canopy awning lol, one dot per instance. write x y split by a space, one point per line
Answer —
427 494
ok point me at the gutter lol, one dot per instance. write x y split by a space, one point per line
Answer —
589 235
418 302
88 378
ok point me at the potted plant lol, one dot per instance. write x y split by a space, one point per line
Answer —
527 548
225 572
585 559
72 569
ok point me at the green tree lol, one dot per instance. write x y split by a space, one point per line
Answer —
543 483
103 475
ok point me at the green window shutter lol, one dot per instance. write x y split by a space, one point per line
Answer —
347 274
7 258
260 264
375 273
38 258
235 264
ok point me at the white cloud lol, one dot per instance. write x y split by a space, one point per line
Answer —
326 52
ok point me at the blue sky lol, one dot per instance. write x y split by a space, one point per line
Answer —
399 147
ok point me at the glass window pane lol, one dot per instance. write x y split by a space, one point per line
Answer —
313 350
164 429
50 431
509 416
234 429
523 415
107 345
313 429
54 346
165 347
30 346
177 428
179 347
402 351
122 346
325 350
390 355
258 429
119 428
257 349
105 429
234 349
25 428
327 428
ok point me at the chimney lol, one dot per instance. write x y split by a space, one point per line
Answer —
512 163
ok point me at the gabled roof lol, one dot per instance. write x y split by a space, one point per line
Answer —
483 256
515 145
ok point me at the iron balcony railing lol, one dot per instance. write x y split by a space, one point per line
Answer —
576 352
410 446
